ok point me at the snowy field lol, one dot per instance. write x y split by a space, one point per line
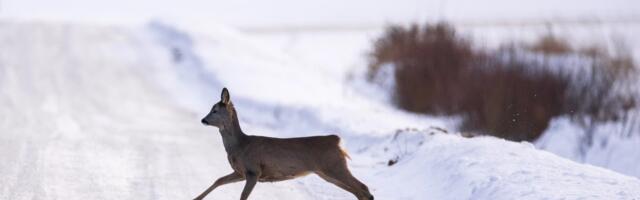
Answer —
616 146
113 112
100 100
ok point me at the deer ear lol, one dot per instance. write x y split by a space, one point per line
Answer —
224 97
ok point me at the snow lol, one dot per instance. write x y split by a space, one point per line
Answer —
111 112
451 167
612 145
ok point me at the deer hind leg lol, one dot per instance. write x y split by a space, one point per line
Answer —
342 178
231 178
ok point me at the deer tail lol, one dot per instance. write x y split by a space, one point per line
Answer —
343 152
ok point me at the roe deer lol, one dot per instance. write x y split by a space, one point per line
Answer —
265 159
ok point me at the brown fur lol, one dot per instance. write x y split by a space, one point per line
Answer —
267 159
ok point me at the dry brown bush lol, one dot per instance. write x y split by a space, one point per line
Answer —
498 92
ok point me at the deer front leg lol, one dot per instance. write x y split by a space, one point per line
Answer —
231 178
252 179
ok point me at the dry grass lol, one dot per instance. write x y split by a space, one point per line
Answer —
499 93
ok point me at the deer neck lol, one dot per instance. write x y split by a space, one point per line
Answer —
232 136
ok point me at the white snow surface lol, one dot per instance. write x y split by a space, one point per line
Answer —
614 145
108 112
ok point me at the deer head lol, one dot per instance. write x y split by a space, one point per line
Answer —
222 114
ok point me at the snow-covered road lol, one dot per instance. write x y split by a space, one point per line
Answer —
80 121
98 112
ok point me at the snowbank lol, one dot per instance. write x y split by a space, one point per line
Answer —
613 145
448 166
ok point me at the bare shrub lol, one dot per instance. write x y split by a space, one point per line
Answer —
426 60
550 44
503 92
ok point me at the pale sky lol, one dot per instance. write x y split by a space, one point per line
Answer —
299 12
